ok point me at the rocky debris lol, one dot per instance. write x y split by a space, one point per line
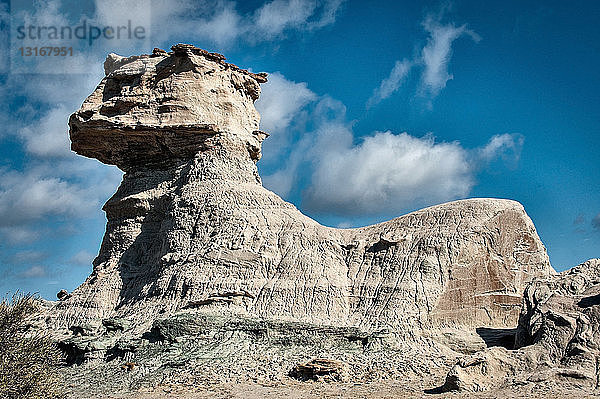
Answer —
322 369
62 295
115 324
557 337
560 320
129 366
83 330
192 233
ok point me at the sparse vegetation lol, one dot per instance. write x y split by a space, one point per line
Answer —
28 360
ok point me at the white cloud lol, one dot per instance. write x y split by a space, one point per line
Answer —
392 83
433 60
329 10
275 17
387 173
282 181
437 52
69 188
82 258
30 196
384 173
505 146
223 27
34 272
220 23
48 136
280 101
119 12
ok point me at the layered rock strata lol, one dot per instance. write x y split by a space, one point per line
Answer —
557 339
191 226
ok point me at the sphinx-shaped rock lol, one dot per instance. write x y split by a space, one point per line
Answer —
191 226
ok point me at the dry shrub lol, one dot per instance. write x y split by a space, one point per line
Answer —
29 360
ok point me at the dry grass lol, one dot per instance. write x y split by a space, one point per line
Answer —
28 360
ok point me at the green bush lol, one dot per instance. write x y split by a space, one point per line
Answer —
28 360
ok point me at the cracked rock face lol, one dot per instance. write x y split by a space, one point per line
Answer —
558 337
191 226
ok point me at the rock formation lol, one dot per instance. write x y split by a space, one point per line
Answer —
193 235
558 337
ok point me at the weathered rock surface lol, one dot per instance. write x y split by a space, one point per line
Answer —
322 369
558 337
192 233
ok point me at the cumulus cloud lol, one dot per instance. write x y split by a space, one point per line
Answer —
281 100
392 83
389 172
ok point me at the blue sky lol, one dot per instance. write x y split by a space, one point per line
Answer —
375 109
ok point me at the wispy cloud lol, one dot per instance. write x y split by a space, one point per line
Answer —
596 222
392 83
438 51
507 147
34 272
433 60
220 22
27 256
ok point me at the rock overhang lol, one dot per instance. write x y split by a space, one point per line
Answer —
151 109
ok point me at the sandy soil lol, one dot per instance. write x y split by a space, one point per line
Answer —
380 390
